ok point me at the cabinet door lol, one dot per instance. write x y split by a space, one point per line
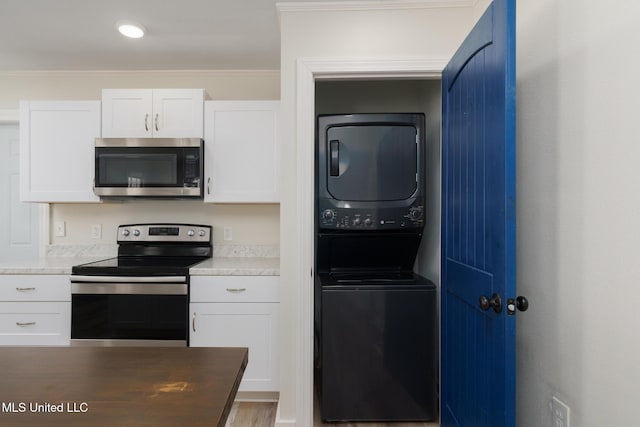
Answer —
252 325
127 113
178 113
56 150
241 151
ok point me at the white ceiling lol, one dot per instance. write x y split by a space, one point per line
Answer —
181 35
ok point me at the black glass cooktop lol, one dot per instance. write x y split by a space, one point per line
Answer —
138 266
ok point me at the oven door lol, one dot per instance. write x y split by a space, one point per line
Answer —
148 167
128 311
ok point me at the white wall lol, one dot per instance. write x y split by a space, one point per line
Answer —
252 224
578 210
420 30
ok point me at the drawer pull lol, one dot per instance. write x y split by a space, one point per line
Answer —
236 290
25 289
25 323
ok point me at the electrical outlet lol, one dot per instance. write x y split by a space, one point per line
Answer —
96 231
559 413
60 229
228 233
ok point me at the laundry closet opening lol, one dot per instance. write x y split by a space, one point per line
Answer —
354 96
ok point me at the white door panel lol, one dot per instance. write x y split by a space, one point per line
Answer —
18 221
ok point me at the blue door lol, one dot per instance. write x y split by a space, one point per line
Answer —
479 227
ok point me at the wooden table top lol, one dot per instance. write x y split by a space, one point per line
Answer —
118 386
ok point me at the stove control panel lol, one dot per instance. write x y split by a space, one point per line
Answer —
164 233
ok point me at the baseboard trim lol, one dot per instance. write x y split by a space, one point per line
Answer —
283 423
257 396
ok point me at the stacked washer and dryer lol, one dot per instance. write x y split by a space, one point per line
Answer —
375 319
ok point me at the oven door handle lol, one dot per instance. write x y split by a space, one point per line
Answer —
128 279
129 288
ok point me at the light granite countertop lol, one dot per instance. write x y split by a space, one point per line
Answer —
227 261
237 266
229 266
46 265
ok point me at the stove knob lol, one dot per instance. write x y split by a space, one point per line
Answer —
357 222
191 233
125 232
136 232
367 222
201 233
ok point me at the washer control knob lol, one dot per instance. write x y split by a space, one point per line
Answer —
368 222
415 214
191 233
201 233
125 232
328 215
136 232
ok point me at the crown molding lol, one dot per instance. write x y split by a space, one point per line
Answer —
9 116
103 73
338 6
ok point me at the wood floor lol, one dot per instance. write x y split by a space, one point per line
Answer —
252 414
263 414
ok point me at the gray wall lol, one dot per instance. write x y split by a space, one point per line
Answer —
578 210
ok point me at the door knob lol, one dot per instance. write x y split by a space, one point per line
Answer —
495 302
520 303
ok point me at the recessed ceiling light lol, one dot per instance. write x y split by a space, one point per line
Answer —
130 29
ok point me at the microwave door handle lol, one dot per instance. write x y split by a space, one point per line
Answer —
334 157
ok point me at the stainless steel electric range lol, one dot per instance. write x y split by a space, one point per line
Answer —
140 297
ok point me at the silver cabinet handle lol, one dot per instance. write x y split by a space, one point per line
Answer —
25 323
146 122
156 122
236 290
209 185
25 289
193 322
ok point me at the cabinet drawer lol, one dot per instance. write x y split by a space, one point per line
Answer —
35 323
234 289
35 288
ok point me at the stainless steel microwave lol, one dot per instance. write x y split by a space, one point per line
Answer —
149 167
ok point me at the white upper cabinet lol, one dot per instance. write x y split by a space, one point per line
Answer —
152 113
241 152
56 150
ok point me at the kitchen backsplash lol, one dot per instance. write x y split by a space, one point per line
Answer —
234 225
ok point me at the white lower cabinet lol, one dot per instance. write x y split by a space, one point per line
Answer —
35 310
239 311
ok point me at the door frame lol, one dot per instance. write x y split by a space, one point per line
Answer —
13 117
308 70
